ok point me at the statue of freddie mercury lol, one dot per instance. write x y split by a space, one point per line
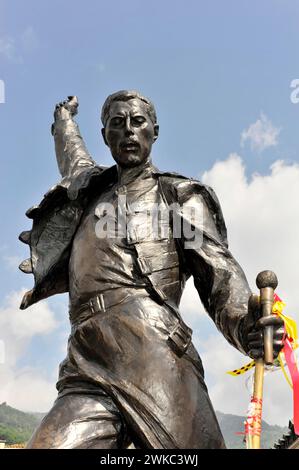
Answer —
132 373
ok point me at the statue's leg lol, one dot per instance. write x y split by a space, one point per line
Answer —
78 421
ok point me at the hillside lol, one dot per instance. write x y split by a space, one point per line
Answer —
232 424
17 427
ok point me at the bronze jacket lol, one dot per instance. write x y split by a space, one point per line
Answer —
218 278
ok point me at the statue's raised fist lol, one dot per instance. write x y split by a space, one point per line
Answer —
66 109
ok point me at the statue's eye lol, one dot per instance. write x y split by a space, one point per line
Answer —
117 121
138 120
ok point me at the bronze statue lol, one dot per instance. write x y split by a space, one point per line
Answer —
132 373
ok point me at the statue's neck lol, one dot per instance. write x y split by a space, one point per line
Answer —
127 175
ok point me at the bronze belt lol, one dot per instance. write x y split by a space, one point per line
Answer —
179 338
102 302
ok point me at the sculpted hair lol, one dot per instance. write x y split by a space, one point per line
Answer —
126 95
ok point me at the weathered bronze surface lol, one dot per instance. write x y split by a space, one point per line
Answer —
132 373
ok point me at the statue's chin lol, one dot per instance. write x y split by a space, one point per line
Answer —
129 160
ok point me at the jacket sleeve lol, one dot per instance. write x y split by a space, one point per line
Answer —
71 153
218 278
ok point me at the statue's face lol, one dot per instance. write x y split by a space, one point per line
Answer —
129 132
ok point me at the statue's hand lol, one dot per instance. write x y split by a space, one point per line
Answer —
66 109
254 326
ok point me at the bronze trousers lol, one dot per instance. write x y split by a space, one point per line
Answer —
123 382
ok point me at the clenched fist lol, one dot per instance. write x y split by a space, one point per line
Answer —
66 109
254 326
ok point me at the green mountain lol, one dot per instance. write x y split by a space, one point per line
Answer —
17 427
231 425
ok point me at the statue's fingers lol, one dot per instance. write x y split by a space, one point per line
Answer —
256 344
278 338
73 100
279 334
73 104
271 320
255 336
277 344
254 306
256 353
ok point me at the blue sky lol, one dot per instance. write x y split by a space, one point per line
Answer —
211 69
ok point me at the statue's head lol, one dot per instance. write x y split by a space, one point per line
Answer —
130 127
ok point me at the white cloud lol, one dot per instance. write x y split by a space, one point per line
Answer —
11 261
261 134
2 352
23 387
28 390
8 49
262 216
13 49
22 325
191 306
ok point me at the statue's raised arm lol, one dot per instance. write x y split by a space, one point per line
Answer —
71 153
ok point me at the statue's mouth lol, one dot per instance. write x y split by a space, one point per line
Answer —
130 146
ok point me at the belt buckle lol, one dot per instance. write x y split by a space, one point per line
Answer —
97 304
180 338
144 265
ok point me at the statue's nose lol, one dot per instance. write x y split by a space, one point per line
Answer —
128 127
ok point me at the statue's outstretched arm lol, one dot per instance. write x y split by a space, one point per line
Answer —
71 153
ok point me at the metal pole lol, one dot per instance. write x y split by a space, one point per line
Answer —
266 281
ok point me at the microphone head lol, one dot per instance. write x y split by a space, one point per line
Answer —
266 279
